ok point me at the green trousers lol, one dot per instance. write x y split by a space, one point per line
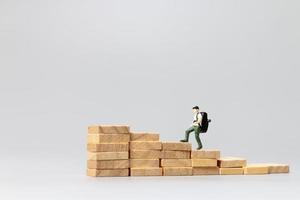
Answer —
196 130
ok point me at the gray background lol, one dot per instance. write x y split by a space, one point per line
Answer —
67 64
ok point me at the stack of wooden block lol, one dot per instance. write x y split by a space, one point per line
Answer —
204 162
145 150
255 169
231 165
108 150
176 159
114 150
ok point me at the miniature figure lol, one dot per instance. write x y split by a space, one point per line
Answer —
200 125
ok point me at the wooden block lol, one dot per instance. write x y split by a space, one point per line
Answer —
231 171
177 171
108 138
176 154
176 162
107 164
177 146
145 154
144 136
231 162
205 171
142 163
108 147
140 145
108 155
206 153
153 171
204 162
278 168
108 129
107 172
256 169
275 168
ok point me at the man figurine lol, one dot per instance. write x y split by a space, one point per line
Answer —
196 127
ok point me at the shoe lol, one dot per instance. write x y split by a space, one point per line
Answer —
199 148
183 141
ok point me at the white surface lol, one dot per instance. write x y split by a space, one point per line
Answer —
65 64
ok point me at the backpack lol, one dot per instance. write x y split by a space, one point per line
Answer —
205 122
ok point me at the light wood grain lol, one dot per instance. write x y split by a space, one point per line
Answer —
144 136
108 129
142 163
205 171
142 145
108 147
177 171
206 153
175 154
204 162
107 164
177 146
108 138
256 169
176 162
108 155
153 171
107 172
145 154
278 168
231 171
231 162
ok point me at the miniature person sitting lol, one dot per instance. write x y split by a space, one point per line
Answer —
196 127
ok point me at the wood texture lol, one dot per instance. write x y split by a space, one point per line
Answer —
204 162
278 168
144 136
256 169
231 162
108 147
275 168
176 162
107 172
108 129
175 154
205 171
108 138
141 145
206 153
145 154
231 171
177 146
154 171
107 164
143 163
177 171
108 155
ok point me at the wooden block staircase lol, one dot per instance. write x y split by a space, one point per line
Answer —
114 150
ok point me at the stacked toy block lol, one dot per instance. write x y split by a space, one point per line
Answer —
256 169
108 150
231 165
176 159
114 150
204 162
145 151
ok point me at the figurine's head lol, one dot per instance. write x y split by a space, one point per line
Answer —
195 109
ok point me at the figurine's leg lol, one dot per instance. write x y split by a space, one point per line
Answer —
197 137
187 134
